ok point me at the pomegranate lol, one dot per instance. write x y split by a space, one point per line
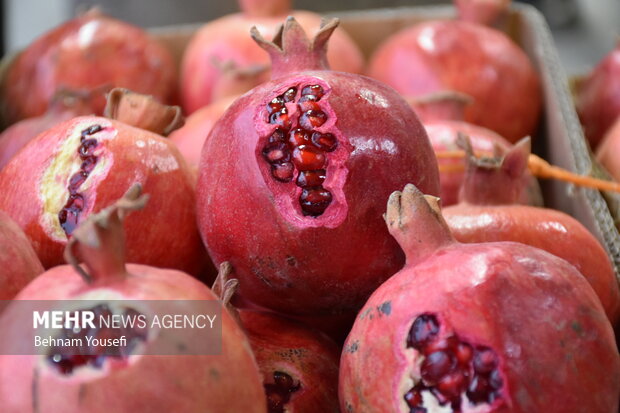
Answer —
438 106
19 262
127 380
487 12
487 213
444 136
597 97
294 167
492 327
472 59
221 59
64 106
191 136
608 150
299 365
84 53
82 165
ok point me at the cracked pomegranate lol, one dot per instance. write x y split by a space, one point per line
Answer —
222 60
307 158
488 212
122 379
491 327
82 165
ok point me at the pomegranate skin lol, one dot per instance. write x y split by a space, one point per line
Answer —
534 311
229 381
475 60
18 261
191 136
608 150
292 263
82 54
222 60
36 185
487 12
598 98
309 358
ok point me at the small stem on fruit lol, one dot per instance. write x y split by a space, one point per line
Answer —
100 240
225 288
142 111
539 168
415 220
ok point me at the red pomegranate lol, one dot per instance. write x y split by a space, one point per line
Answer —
472 59
85 53
221 60
487 12
299 365
598 97
294 167
82 165
128 378
492 327
488 212
19 262
64 106
191 136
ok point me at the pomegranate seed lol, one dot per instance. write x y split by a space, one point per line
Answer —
76 181
311 178
315 90
306 104
312 119
445 343
89 164
413 397
325 141
290 94
452 385
276 105
276 153
485 360
279 394
464 353
423 330
87 148
281 119
283 380
283 172
91 130
277 136
495 380
308 158
435 366
478 390
314 201
298 137
443 400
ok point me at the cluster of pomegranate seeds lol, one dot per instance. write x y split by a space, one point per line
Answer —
299 147
68 215
68 358
279 392
451 367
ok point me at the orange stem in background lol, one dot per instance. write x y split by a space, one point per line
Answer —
539 168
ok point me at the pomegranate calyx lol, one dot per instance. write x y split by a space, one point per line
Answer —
496 180
292 51
100 240
415 221
225 288
143 111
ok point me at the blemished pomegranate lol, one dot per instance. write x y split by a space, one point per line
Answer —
64 106
491 327
444 134
488 212
191 136
597 97
84 164
222 60
469 58
18 261
294 167
127 380
84 53
487 12
299 365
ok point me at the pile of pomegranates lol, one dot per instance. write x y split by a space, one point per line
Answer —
276 166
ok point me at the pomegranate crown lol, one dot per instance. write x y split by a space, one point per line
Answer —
292 51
